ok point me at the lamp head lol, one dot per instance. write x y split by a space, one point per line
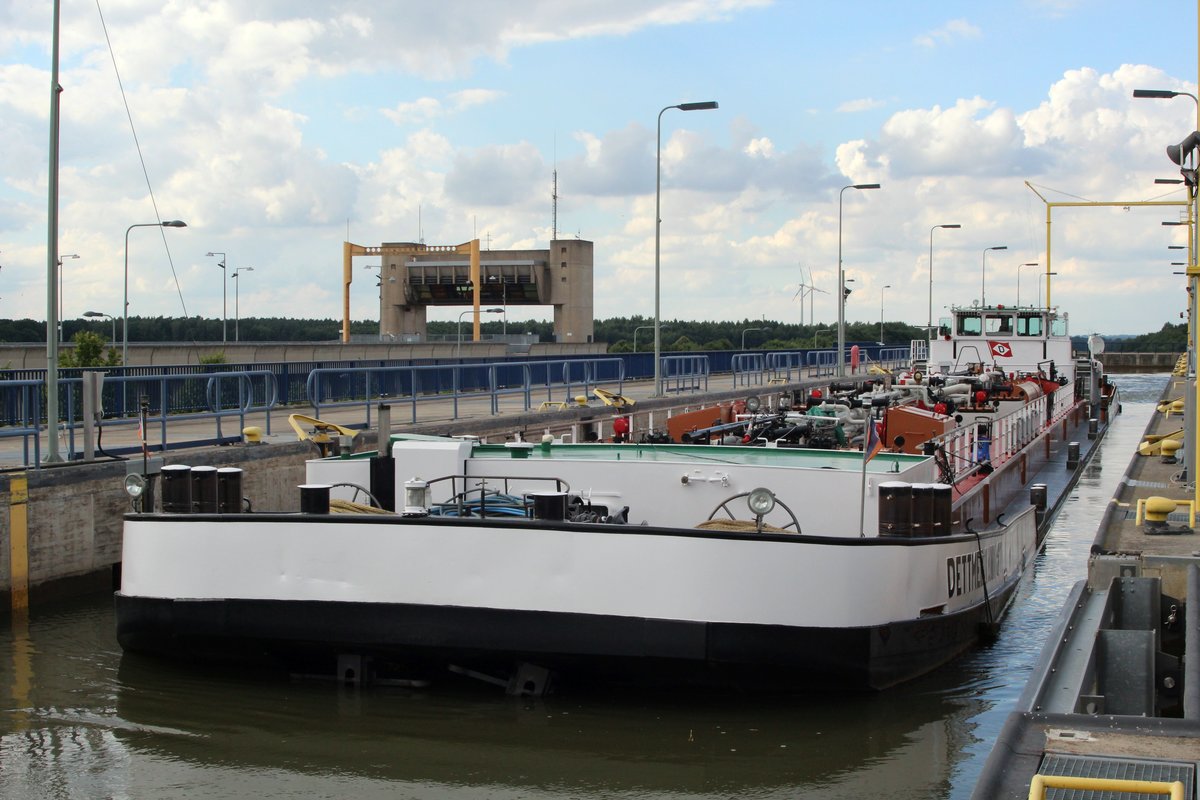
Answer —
174 223
1155 94
950 226
867 186
705 106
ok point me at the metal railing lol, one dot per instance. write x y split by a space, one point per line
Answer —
685 373
208 395
219 395
749 369
457 383
995 440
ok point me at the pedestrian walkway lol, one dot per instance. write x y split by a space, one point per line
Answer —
461 414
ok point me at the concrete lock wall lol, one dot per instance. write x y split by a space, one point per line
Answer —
76 513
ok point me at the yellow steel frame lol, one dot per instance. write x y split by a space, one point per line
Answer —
1037 789
349 251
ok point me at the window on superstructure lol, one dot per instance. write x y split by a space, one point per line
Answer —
969 325
998 324
1058 327
1030 325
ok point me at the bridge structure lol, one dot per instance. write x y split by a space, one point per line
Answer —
414 276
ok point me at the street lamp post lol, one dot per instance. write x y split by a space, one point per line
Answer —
747 330
929 324
841 303
639 328
704 106
1166 94
458 335
111 319
1019 268
170 223
224 295
60 294
237 316
503 301
1040 301
881 289
983 273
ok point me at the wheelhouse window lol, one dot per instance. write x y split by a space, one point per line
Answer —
1058 327
998 324
970 325
1030 325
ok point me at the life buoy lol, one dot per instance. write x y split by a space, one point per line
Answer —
917 376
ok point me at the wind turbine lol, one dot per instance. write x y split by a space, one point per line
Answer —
807 290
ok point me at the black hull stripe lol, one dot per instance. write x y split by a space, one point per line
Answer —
298 636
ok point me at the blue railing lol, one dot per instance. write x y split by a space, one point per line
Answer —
749 369
685 373
213 393
415 385
211 398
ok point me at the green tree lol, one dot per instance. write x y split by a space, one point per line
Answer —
88 352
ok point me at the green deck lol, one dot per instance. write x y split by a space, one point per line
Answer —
787 457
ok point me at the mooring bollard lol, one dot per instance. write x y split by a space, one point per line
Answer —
1038 498
1072 455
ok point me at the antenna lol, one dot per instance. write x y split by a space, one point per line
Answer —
554 198
420 233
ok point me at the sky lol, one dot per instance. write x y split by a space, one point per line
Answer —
280 128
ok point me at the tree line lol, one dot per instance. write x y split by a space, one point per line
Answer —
621 334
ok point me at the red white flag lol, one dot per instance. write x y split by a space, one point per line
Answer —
1000 349
874 443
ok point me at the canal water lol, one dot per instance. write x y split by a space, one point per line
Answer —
80 720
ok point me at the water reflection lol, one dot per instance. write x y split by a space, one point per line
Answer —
80 720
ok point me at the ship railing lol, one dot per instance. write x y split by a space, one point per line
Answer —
484 495
918 351
490 382
994 440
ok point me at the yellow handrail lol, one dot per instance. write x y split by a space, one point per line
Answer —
1040 783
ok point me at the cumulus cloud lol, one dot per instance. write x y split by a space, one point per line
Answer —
953 31
855 106
426 109
244 134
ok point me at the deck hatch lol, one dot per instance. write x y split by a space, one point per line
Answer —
1115 768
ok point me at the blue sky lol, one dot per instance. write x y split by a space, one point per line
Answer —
272 128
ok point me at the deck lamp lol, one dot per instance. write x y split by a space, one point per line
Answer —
761 502
417 498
